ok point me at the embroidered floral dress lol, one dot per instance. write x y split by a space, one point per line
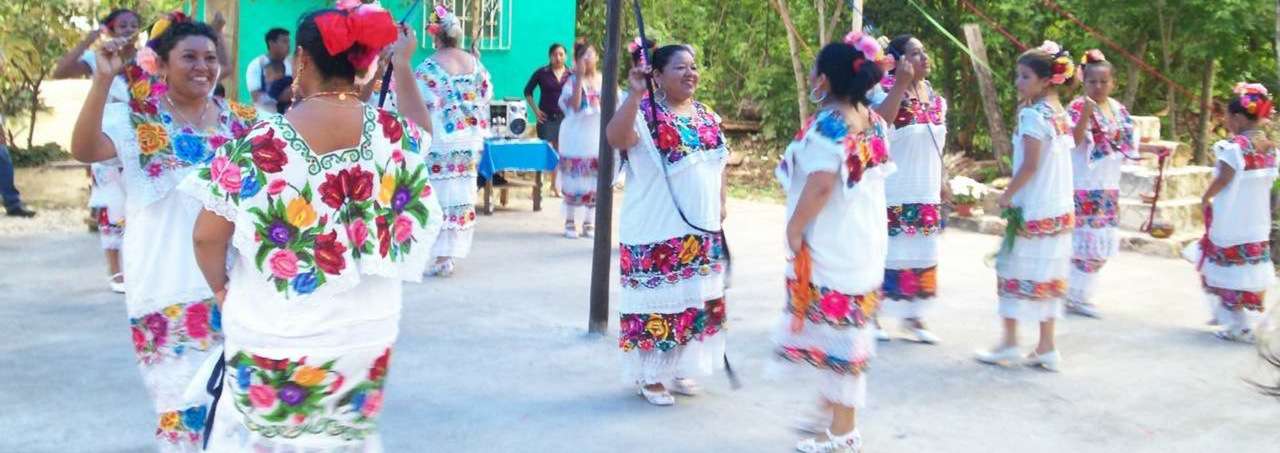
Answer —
1236 268
174 321
672 275
106 194
322 245
825 331
1096 167
913 194
579 149
1032 277
459 107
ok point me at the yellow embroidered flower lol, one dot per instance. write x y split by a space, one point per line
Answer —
690 250
657 327
169 421
388 189
243 112
173 311
870 303
152 138
299 213
308 376
140 90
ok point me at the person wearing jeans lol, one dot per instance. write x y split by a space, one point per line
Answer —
12 200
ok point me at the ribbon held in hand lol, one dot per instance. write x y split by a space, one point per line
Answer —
371 28
801 288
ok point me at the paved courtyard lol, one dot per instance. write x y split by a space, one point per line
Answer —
497 359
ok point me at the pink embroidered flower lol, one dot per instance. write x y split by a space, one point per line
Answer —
284 264
139 339
158 326
154 169
625 259
835 305
357 233
337 384
159 89
928 215
275 187
217 141
261 396
397 156
709 136
403 229
1253 249
908 283
218 170
197 321
631 326
372 404
148 60
426 191
878 151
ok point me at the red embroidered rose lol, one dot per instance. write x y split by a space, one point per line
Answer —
268 152
270 364
361 184
139 339
391 127
384 235
854 165
329 253
197 321
333 191
1253 249
142 107
1232 253
668 137
379 369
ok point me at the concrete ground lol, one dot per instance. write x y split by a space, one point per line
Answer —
497 359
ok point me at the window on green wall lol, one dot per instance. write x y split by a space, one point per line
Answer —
495 21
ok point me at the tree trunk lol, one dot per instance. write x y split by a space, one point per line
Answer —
1277 45
1134 79
1000 142
822 22
1166 32
1206 106
35 110
835 20
856 15
797 66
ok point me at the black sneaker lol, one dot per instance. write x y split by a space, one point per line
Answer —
21 212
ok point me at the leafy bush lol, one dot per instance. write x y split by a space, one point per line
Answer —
38 155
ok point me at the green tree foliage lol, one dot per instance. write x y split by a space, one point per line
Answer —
33 34
746 64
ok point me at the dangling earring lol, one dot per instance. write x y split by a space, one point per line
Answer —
295 86
659 94
815 98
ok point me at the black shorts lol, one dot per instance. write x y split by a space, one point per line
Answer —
550 130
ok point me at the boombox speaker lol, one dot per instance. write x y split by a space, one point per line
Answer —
508 118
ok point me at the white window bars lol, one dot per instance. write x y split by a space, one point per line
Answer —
495 21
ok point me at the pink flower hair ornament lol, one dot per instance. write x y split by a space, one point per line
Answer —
1254 98
444 23
148 60
870 49
1063 68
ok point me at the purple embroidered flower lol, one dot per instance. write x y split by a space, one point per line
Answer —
158 326
279 233
399 199
292 394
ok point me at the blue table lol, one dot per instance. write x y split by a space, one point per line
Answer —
522 155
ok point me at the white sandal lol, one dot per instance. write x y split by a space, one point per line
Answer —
569 231
662 398
686 387
1003 356
443 269
1237 335
116 286
588 230
848 443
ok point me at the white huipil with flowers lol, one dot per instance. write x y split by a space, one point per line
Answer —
672 275
459 106
1096 164
579 149
1235 257
1032 276
825 333
322 245
913 194
107 192
170 306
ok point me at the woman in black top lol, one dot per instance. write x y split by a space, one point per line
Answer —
550 80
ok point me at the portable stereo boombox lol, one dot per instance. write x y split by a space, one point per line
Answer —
508 118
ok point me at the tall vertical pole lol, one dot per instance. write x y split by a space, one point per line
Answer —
602 257
856 7
1000 142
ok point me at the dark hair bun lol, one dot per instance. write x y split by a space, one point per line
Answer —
850 73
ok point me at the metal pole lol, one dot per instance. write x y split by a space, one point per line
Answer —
602 257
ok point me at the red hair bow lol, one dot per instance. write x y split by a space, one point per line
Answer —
373 29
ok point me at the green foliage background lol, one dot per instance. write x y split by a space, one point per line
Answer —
746 62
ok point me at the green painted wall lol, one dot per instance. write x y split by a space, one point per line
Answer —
537 24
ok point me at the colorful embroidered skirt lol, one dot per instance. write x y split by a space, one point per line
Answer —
576 178
828 343
1032 277
171 344
110 229
301 400
660 347
1235 279
452 167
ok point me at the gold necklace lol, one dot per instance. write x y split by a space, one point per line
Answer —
204 111
342 95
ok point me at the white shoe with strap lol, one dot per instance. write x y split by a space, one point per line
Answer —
848 443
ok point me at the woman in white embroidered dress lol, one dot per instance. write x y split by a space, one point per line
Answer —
580 141
106 195
1104 135
171 124
915 192
1032 271
672 256
834 175
457 91
341 214
1234 257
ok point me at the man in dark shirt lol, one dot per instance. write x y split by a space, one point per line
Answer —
550 79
